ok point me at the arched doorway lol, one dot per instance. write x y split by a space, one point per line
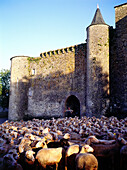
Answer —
72 106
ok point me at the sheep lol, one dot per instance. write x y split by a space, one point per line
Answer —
86 161
93 139
75 136
66 136
29 157
39 144
50 156
25 141
76 148
71 153
123 157
21 149
10 163
14 153
62 143
100 133
46 130
107 155
2 141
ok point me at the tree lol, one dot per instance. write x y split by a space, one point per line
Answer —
4 88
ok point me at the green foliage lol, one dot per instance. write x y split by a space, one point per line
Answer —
37 59
4 87
31 60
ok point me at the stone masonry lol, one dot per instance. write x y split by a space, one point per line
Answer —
97 68
88 78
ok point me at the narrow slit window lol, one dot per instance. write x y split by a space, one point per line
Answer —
33 72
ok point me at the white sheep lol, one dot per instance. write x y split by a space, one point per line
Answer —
74 149
86 161
71 153
29 154
49 156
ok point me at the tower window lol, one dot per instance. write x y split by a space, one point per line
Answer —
33 72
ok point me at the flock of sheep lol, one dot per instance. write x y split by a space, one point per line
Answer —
70 143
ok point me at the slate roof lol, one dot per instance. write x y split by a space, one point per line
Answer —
98 19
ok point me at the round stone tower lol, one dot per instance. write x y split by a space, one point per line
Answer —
97 66
19 87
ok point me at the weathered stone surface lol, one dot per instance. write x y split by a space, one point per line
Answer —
97 68
44 84
83 77
121 34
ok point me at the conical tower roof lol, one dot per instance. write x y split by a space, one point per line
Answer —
98 19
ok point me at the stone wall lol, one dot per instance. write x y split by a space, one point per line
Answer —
78 75
41 85
18 101
121 57
97 69
113 67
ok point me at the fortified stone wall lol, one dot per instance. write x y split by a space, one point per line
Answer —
121 36
113 67
58 74
76 77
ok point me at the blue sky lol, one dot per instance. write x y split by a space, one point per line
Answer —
30 27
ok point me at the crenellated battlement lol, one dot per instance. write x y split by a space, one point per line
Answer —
60 51
76 76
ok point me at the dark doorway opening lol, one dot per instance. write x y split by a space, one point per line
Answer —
72 106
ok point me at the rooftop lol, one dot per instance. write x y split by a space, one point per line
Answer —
120 5
98 19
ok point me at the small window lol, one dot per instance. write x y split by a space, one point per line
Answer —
33 72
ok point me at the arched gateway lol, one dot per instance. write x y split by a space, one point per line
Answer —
72 106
